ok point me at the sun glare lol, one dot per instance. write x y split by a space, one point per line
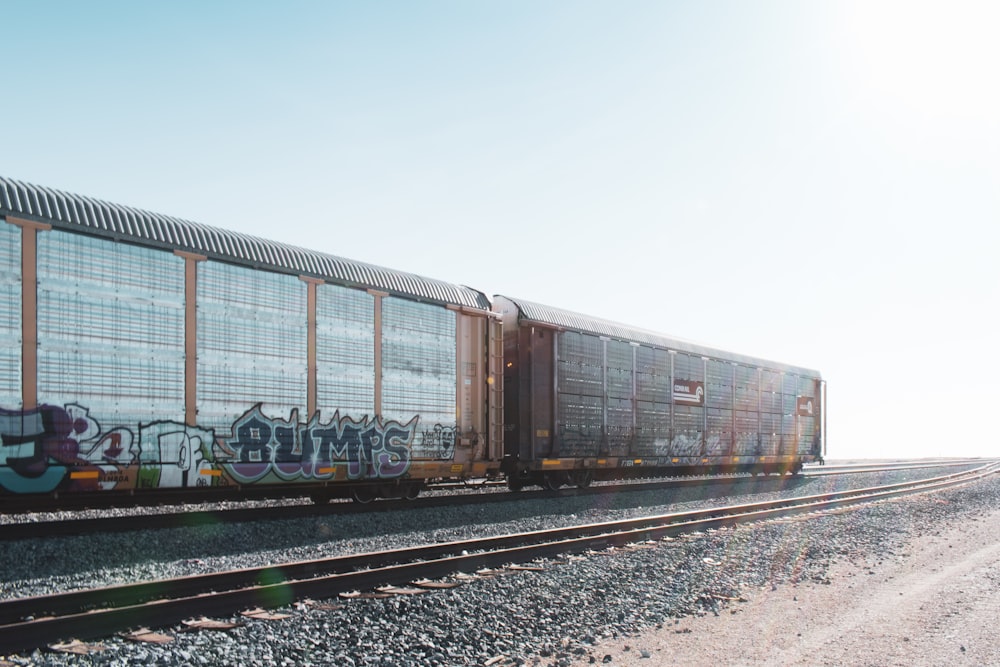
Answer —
937 58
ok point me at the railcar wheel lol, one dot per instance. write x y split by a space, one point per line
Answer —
582 478
553 480
363 495
411 491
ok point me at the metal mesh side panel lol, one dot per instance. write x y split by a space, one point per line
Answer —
747 388
746 433
652 429
10 317
345 351
652 388
652 378
807 424
619 399
251 343
581 359
688 426
581 388
770 428
419 366
797 429
719 392
789 400
110 329
688 420
619 369
619 427
770 392
805 436
580 419
720 432
688 367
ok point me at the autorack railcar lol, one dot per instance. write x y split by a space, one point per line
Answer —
589 398
141 352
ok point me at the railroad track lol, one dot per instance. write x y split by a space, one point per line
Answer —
187 519
120 523
29 623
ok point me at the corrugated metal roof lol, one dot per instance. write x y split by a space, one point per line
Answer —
529 312
92 216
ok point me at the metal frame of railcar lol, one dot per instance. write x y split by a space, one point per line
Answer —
35 211
534 447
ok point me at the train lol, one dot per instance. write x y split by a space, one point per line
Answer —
143 352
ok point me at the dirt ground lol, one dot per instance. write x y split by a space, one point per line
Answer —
939 604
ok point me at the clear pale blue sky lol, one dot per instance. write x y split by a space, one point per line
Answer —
811 182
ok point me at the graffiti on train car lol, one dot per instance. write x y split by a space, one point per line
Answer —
686 444
50 447
173 455
746 444
39 446
439 441
371 449
29 440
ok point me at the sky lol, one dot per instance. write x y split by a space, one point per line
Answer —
816 183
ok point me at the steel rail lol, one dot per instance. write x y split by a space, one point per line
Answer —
186 519
850 469
28 623
132 522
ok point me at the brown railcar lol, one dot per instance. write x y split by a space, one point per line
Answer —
587 398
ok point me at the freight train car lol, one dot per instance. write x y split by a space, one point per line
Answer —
141 352
587 398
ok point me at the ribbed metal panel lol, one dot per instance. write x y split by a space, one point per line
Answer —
563 319
110 328
87 215
251 343
419 370
10 317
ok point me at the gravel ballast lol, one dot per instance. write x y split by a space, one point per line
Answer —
558 616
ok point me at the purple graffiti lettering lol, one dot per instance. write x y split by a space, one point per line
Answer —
339 441
394 460
30 441
288 454
368 449
252 446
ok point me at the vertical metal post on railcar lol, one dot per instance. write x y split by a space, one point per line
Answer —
673 355
732 407
704 407
191 262
311 355
495 404
531 393
556 439
377 341
634 402
760 421
796 424
29 308
822 388
781 424
605 435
